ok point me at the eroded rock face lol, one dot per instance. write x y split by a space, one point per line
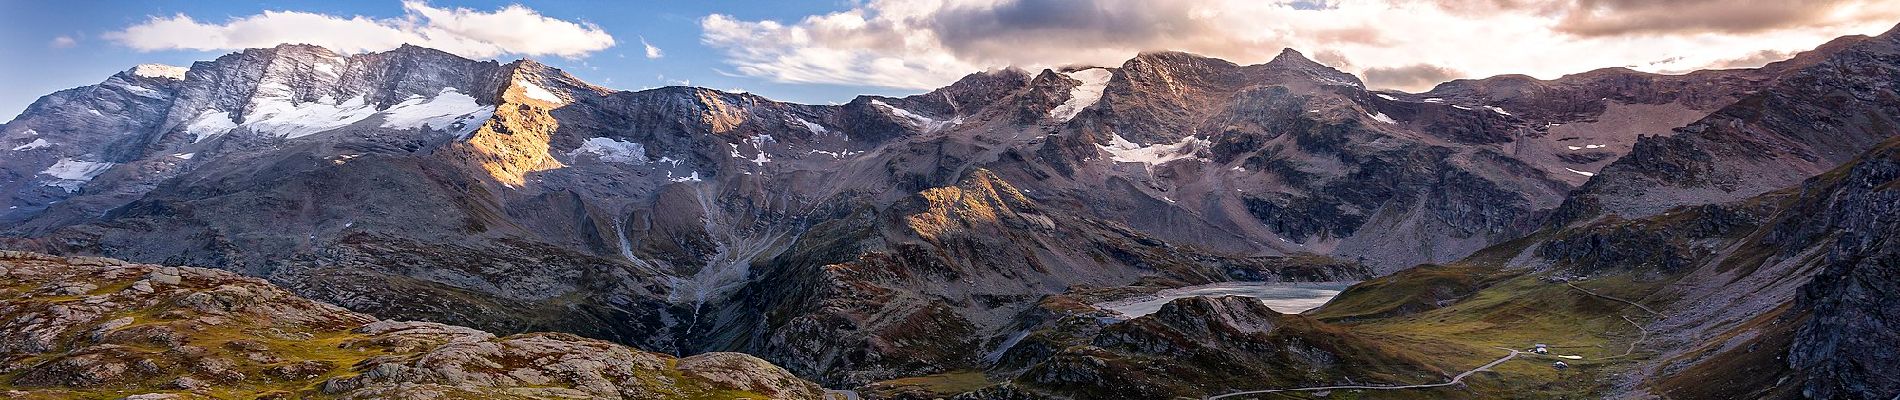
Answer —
1853 299
86 326
1797 127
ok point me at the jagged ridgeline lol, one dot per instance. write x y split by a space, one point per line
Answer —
960 242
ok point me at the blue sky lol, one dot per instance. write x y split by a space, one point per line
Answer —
829 51
38 67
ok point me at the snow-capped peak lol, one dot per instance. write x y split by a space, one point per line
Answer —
160 71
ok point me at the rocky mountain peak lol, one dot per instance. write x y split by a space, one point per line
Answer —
1177 61
1290 56
1294 61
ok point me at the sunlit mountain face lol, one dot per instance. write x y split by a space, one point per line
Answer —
996 200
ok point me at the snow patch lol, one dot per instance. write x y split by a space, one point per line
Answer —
1122 150
449 111
71 174
536 92
209 124
1581 172
1387 97
813 127
1500 111
37 143
326 68
689 178
1587 146
1379 116
185 156
135 89
1434 100
758 144
612 150
160 71
1083 95
289 119
836 154
920 121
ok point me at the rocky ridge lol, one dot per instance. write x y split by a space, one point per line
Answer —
95 327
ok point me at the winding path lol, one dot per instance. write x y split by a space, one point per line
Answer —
1639 340
1454 380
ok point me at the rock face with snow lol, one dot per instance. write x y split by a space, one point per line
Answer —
880 238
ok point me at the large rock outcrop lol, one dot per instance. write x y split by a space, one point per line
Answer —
89 327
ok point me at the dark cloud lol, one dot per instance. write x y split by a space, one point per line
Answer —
1413 77
1636 17
925 44
1002 31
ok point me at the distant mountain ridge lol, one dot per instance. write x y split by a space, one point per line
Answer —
884 237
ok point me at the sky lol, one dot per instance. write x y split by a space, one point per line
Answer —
822 52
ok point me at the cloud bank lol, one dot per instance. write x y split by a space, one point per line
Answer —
510 30
1402 44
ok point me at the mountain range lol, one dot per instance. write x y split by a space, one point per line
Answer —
1715 234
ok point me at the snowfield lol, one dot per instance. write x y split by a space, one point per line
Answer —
536 92
280 116
37 143
812 127
160 71
1083 95
613 150
71 174
208 124
920 121
1122 150
449 111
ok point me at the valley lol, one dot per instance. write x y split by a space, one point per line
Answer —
413 223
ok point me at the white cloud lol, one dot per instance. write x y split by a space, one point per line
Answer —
652 52
62 41
510 30
926 44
